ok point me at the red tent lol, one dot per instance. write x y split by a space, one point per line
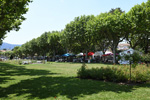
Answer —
90 53
107 54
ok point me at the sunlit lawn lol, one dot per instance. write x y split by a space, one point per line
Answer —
57 81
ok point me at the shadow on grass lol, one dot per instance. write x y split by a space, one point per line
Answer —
46 87
5 79
13 70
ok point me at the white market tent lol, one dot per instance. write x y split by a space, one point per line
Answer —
108 52
128 52
98 53
80 54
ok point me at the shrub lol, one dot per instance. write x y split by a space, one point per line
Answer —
115 74
133 58
146 58
83 73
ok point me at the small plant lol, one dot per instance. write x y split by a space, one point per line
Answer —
19 62
83 73
134 58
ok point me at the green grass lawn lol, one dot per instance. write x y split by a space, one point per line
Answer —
47 81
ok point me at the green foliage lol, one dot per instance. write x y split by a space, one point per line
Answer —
133 58
42 43
49 43
55 45
82 73
146 58
113 10
109 29
139 18
16 51
7 53
77 35
115 74
11 15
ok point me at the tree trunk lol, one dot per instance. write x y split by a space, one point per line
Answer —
86 54
146 45
66 50
54 55
130 71
103 51
114 53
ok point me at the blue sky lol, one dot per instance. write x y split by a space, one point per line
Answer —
50 15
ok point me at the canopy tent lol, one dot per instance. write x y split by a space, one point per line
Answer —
129 51
68 55
65 55
80 54
98 53
126 52
72 55
108 54
90 53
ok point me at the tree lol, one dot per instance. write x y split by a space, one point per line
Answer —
77 35
7 53
11 15
113 10
133 59
116 30
19 52
32 47
25 49
95 27
42 43
54 41
113 27
15 51
64 42
146 58
140 31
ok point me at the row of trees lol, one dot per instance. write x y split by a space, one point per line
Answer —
90 33
49 43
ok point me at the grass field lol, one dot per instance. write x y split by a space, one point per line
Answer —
57 81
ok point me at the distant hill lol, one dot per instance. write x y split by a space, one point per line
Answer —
8 46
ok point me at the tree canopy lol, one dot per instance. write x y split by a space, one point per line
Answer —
11 15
